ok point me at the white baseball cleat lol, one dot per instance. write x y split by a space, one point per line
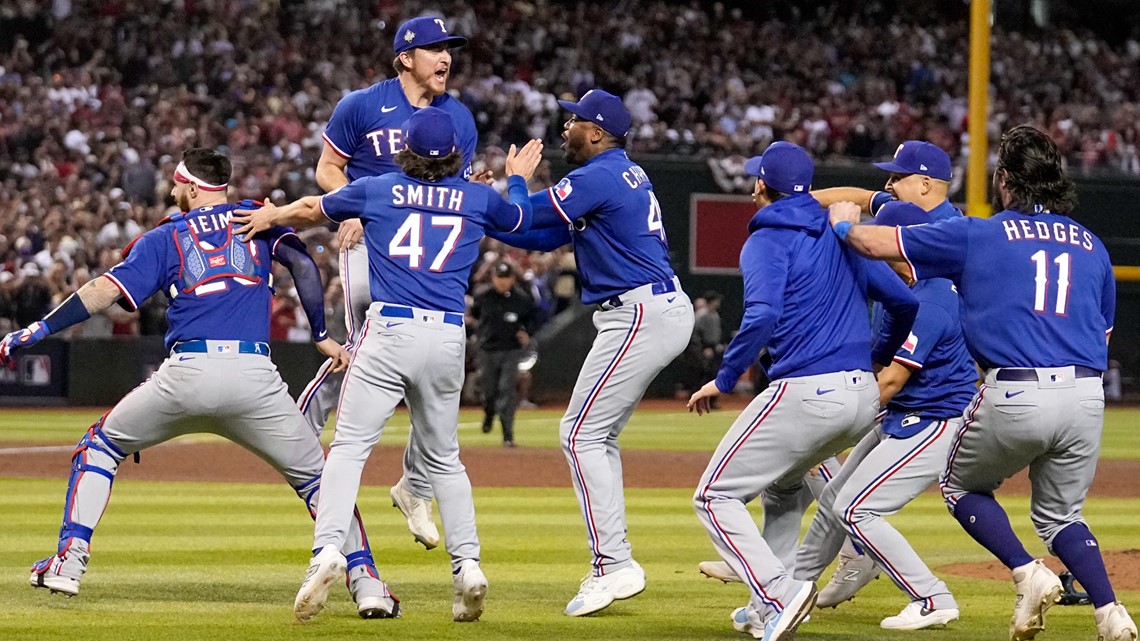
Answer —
324 568
598 592
61 573
418 513
1037 590
783 626
854 572
1113 623
470 587
915 616
747 620
718 570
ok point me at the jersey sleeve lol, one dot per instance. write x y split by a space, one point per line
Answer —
513 216
578 194
468 140
346 202
1108 299
935 250
144 271
343 129
764 261
276 236
930 326
878 199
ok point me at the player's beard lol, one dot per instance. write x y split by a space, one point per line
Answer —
183 201
995 195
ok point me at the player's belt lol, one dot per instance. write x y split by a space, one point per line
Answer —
399 311
655 289
1025 374
203 347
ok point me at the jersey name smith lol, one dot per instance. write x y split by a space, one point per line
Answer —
428 196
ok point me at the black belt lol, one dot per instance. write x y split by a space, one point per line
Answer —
399 311
662 287
1029 374
200 347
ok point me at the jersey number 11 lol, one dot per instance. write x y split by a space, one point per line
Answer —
1041 261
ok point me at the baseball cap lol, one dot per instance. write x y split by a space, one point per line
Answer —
430 133
504 269
900 214
603 109
919 157
784 166
423 31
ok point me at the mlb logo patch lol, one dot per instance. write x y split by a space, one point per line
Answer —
217 261
911 343
563 189
225 349
1056 378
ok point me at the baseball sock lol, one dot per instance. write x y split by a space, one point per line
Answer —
1076 546
984 519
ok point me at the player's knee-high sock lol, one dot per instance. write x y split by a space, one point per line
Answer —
985 520
356 549
93 468
1076 546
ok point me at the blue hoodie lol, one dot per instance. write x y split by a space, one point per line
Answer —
805 298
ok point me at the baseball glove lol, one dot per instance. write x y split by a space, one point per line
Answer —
1070 595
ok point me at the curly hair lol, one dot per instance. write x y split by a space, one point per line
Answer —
429 169
1034 175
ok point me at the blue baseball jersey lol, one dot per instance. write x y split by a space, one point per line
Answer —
423 237
943 211
943 378
805 297
615 225
226 309
367 127
1037 290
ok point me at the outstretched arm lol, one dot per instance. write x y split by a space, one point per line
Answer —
302 213
94 297
291 253
830 196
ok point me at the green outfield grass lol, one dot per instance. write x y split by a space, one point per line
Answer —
658 430
177 561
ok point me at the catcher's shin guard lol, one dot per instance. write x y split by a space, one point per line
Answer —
93 467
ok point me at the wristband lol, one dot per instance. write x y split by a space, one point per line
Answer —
841 228
71 312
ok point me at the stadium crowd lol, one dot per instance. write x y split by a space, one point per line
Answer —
96 100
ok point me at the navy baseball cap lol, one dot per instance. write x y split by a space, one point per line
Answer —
430 133
919 157
785 167
424 31
603 109
897 213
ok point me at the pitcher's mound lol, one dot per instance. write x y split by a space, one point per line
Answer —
1123 569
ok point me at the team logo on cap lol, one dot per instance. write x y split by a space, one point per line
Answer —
897 151
409 36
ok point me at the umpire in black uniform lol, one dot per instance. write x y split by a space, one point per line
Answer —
506 315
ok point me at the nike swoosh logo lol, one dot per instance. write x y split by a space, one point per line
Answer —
671 299
820 391
385 110
1012 394
185 358
391 325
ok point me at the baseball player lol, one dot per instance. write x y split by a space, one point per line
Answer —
218 378
607 209
362 138
920 174
805 301
423 226
924 392
1038 298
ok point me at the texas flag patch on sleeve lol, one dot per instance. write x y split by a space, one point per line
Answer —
911 343
563 189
